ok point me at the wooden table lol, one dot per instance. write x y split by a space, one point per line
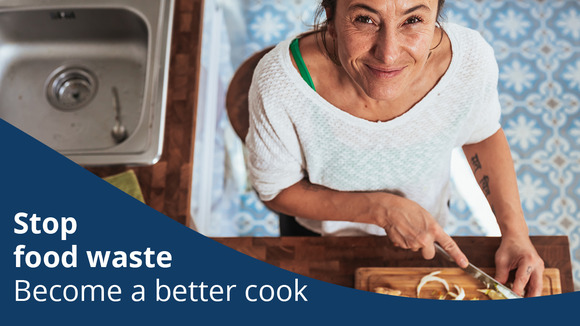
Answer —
335 259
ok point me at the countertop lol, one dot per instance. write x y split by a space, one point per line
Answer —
166 185
335 259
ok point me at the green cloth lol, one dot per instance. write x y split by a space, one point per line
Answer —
127 182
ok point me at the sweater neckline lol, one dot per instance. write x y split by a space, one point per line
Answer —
411 114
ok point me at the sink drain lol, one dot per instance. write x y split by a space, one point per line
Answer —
71 88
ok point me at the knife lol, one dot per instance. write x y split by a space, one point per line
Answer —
483 277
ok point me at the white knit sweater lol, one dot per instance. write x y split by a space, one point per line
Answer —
296 133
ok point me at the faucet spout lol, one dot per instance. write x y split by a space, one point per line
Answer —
119 131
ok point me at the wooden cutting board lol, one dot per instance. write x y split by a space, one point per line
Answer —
406 279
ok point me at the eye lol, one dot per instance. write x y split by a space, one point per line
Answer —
364 19
413 20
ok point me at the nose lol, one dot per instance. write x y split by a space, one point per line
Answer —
387 47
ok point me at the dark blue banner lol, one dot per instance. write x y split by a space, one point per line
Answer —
78 251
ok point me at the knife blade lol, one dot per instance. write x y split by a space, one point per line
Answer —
481 276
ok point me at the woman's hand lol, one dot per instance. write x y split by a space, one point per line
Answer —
520 254
410 226
493 167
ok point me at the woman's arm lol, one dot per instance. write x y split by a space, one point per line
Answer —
407 224
492 165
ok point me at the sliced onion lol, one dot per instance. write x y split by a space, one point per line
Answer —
460 292
431 278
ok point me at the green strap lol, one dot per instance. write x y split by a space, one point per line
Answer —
295 49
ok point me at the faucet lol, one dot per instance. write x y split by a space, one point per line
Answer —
119 131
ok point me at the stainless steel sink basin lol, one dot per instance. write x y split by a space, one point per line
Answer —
72 72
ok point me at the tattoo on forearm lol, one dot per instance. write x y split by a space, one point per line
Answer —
475 163
484 184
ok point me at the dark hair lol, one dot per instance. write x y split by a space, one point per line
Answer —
322 26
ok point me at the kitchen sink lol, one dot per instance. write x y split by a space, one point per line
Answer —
87 78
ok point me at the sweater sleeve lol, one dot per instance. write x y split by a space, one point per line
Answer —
274 157
487 113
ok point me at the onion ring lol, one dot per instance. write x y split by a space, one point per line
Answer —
433 278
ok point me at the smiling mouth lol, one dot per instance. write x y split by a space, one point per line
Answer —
385 73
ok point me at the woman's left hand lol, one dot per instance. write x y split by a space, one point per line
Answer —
520 254
493 166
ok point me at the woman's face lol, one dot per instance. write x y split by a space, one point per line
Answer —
384 44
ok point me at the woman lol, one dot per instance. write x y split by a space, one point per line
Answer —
352 128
